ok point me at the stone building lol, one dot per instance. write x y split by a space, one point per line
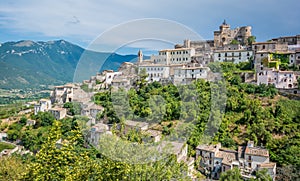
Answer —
136 125
186 74
266 52
62 94
91 110
215 160
42 106
225 35
58 113
96 132
234 56
290 40
122 81
203 51
280 79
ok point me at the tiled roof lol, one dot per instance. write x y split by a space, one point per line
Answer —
257 151
267 165
210 148
228 157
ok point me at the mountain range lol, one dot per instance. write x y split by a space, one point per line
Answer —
28 64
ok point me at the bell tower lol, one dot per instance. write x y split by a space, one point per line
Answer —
140 57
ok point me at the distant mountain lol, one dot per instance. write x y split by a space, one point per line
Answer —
28 64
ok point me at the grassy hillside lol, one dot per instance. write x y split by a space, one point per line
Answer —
27 64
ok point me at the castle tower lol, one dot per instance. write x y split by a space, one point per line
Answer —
187 43
140 57
224 27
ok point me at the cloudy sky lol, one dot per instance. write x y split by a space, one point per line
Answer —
82 21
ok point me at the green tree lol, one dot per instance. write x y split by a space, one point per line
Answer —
234 42
251 40
61 160
231 175
262 175
11 168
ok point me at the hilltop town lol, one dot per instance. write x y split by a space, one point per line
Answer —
275 64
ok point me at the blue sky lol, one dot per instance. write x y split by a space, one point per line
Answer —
81 22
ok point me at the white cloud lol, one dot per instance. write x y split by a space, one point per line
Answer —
84 20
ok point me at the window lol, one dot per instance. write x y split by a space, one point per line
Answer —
264 47
249 165
219 54
225 54
249 157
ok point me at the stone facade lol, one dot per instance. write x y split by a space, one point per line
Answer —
225 35
62 94
234 56
215 160
280 79
42 106
290 40
58 113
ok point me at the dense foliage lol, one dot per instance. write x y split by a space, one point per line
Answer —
228 111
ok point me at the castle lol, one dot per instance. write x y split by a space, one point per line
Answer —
225 35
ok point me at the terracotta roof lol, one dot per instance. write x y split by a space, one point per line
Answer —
210 148
257 151
176 49
260 43
228 157
57 109
267 165
153 65
100 127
